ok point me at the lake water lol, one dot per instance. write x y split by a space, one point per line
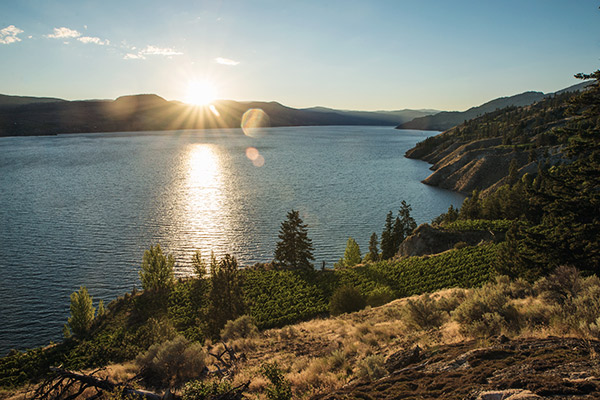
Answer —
81 209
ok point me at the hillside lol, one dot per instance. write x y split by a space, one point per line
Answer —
392 117
41 116
448 119
477 154
425 347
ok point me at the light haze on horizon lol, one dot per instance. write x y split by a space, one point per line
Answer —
362 55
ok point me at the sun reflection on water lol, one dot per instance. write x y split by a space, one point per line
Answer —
203 202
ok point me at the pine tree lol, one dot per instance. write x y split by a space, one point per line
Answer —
156 272
294 249
387 238
373 250
226 296
82 312
351 255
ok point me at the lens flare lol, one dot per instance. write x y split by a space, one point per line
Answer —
253 121
253 155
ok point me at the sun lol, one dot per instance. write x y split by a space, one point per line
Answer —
201 93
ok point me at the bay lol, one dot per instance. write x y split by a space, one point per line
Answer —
81 209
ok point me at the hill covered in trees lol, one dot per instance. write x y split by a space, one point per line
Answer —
24 116
448 119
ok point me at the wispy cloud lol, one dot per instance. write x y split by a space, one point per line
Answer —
93 40
226 61
152 51
64 33
9 34
131 56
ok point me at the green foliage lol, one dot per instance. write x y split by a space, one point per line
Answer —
351 255
198 264
101 310
380 295
156 271
294 249
462 225
172 363
199 390
276 298
423 313
373 250
387 237
242 327
395 231
346 299
226 294
188 308
486 312
279 388
82 312
371 368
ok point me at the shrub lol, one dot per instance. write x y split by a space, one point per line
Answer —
198 390
486 312
460 245
423 313
155 331
172 363
156 271
563 283
371 368
346 299
280 388
82 312
242 327
380 295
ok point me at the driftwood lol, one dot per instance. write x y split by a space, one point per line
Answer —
68 385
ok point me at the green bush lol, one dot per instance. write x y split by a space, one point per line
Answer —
346 299
423 313
371 368
198 390
172 363
380 295
486 312
241 327
280 388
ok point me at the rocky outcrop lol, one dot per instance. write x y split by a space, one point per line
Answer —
519 369
429 240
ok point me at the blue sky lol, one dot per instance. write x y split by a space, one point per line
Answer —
367 55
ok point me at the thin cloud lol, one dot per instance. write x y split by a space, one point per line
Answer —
131 56
9 34
159 51
151 51
62 33
93 40
226 61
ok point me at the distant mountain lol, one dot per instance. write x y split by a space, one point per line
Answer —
149 112
393 117
448 119
6 100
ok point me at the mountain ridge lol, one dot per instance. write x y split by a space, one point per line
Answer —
447 119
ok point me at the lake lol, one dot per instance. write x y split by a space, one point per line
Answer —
81 209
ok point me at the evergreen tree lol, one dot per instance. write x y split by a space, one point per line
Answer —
373 250
226 296
351 255
156 272
471 207
407 222
294 249
82 312
198 264
387 238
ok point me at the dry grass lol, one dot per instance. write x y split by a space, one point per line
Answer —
325 354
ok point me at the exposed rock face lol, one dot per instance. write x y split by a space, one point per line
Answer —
520 369
429 240
472 166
